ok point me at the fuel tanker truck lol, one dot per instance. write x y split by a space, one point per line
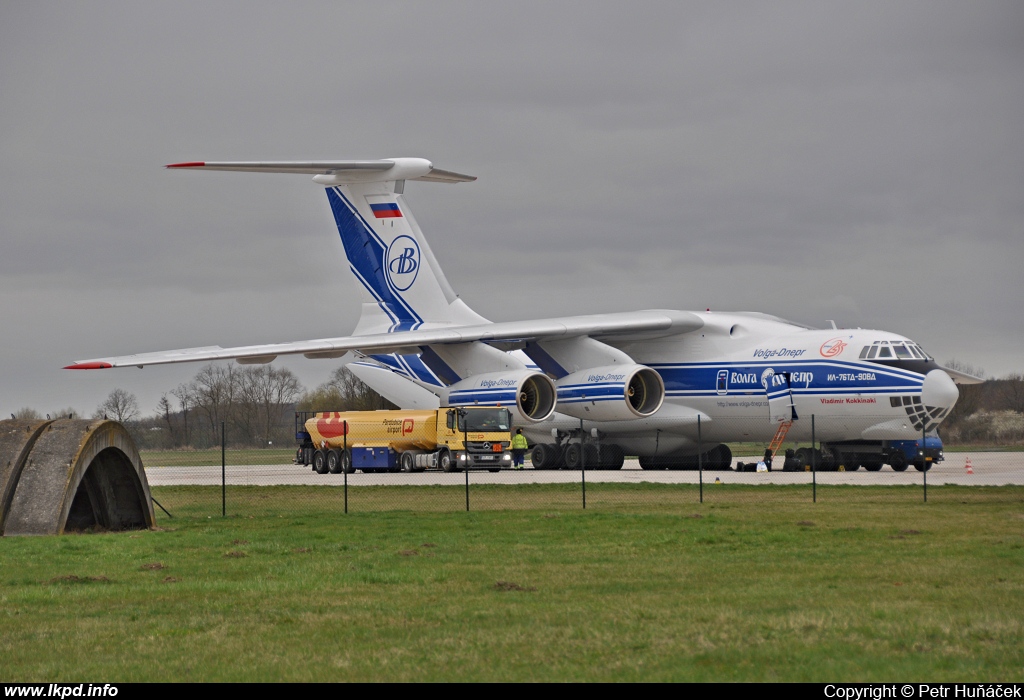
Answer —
449 439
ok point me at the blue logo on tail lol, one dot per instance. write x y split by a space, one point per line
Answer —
403 262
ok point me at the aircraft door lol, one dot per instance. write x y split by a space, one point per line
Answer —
779 392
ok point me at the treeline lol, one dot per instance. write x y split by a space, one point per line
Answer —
256 404
988 413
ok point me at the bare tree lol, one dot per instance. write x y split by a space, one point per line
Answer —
186 401
1010 391
120 405
343 392
27 414
213 393
264 392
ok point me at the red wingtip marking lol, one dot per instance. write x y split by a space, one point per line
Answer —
193 164
90 365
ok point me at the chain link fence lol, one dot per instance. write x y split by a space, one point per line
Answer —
811 460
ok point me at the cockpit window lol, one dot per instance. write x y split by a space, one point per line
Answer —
893 349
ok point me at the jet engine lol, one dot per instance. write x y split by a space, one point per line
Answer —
529 394
615 392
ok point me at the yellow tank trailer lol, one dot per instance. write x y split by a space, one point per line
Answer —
451 439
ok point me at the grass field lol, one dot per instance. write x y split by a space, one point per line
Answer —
867 587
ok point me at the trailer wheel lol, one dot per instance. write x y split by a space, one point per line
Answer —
408 462
334 461
346 462
320 461
445 462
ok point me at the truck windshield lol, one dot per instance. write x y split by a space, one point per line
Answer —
485 420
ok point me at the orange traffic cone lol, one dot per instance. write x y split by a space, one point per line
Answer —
968 467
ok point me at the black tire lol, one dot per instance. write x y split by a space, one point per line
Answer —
851 467
873 466
720 458
592 457
572 455
346 462
408 462
922 466
445 461
545 456
320 461
803 458
898 462
334 463
613 457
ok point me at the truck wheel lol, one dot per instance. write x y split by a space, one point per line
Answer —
851 466
445 462
899 462
873 466
346 462
408 462
922 467
320 461
334 461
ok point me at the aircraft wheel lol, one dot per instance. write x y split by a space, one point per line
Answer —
572 456
334 461
592 457
545 456
408 462
899 462
615 457
720 458
320 461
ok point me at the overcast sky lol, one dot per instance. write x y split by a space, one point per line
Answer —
862 162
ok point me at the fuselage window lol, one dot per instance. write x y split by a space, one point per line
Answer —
884 351
901 351
864 352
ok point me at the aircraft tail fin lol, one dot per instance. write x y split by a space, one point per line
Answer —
401 282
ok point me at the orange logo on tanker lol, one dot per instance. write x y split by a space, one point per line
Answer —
831 348
407 426
330 425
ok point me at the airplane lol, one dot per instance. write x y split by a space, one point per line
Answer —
671 387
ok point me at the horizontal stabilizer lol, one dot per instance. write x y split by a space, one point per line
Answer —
336 172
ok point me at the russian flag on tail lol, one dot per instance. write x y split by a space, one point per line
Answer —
386 210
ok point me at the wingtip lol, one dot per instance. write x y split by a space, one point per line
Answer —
190 164
90 365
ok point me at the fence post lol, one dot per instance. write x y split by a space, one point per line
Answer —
700 459
345 455
465 447
583 466
814 464
223 474
924 457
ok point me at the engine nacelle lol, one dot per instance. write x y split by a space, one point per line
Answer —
529 394
615 392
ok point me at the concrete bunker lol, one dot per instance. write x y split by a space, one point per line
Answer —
71 475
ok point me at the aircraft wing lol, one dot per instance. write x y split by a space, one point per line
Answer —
628 325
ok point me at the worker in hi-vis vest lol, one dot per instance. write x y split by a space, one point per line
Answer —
519 447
